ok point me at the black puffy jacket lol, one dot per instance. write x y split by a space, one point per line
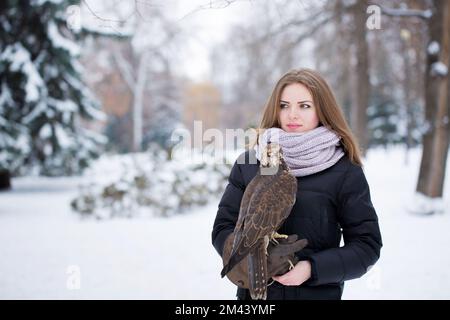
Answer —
330 203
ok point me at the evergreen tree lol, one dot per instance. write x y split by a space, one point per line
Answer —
383 122
14 142
43 99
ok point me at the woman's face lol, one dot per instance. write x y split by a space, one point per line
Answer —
297 109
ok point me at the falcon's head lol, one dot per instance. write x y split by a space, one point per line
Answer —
272 155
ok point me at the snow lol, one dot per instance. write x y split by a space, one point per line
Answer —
42 2
23 143
92 135
13 142
5 25
439 69
63 105
64 140
427 14
74 82
45 246
93 112
59 41
50 113
40 108
150 187
421 204
45 132
5 96
21 61
433 48
3 123
405 12
48 149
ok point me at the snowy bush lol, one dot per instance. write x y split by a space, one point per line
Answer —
146 184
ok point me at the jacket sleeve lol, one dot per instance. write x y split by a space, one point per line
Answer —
228 210
362 238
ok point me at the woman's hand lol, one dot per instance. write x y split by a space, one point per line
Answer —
299 274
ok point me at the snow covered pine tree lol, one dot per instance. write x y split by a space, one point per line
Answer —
43 98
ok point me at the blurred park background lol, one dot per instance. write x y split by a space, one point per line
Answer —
99 201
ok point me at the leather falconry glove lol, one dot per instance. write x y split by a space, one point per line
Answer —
280 257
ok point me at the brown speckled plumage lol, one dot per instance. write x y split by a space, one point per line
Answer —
267 202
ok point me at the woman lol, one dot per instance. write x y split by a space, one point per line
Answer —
333 197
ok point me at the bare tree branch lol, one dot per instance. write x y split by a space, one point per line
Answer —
107 20
297 23
405 12
124 68
213 4
313 28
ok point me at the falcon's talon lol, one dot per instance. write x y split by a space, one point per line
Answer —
277 235
291 265
274 241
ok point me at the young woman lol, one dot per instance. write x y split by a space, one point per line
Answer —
333 197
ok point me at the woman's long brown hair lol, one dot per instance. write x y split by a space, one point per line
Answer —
328 111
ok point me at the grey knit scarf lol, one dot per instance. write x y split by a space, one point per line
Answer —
307 152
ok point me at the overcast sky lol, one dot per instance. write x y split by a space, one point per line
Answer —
208 27
202 25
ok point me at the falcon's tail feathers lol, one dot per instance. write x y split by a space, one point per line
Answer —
257 273
232 262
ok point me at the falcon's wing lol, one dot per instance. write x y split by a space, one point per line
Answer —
268 207
267 202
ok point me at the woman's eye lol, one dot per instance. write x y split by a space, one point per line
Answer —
306 106
283 105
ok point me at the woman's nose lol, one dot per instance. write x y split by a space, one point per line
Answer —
294 113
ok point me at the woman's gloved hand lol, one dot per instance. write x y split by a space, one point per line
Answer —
277 262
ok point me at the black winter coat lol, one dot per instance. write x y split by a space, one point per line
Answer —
330 203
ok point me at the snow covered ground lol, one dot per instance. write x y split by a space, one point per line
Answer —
46 251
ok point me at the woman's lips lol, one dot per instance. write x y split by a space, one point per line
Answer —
293 126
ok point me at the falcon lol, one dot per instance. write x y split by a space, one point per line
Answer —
266 203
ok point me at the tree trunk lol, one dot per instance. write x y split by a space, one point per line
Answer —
436 138
360 106
407 94
5 180
138 101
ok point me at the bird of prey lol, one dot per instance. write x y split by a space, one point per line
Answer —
265 205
